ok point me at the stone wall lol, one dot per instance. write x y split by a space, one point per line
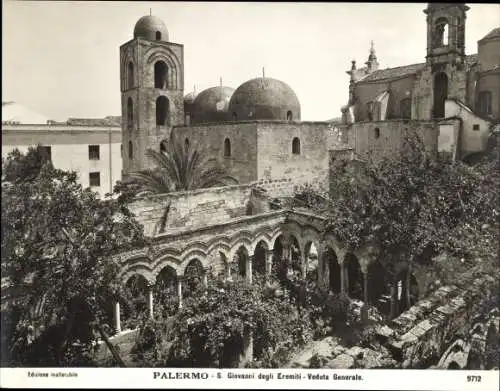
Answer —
367 91
391 135
474 130
242 164
279 169
192 209
419 336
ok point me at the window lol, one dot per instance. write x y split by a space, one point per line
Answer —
95 179
94 152
405 108
158 35
163 148
475 127
186 143
227 147
130 111
484 103
130 75
289 115
130 150
161 110
376 132
440 37
161 72
234 116
121 150
46 152
296 146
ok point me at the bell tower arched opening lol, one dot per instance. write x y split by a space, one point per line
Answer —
161 72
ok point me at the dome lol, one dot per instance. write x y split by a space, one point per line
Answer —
151 28
190 98
211 105
264 98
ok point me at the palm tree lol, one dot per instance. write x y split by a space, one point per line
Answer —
179 167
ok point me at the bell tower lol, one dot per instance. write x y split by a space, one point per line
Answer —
152 91
446 33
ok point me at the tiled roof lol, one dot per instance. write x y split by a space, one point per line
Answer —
495 33
107 121
406 70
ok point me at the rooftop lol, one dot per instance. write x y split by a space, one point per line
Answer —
407 70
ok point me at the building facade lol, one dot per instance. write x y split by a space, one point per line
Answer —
449 85
90 147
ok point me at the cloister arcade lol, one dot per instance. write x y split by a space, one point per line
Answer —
254 247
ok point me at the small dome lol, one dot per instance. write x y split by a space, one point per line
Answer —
152 28
264 98
211 105
189 102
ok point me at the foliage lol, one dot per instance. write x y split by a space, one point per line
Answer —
57 246
178 167
210 328
412 206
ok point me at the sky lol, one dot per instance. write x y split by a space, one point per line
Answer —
61 59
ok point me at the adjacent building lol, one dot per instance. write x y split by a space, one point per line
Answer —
92 147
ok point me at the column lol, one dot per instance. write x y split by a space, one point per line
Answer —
346 278
205 278
365 287
269 262
247 354
393 300
304 264
248 270
150 301
179 289
364 309
343 288
118 326
408 285
228 271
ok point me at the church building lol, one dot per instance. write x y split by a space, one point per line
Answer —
449 86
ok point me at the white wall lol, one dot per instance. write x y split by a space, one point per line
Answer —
70 151
472 140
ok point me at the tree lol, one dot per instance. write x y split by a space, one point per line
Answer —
179 167
412 206
58 240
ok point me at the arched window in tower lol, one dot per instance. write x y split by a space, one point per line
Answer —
161 72
158 35
130 150
130 112
227 147
296 146
161 110
163 147
186 143
289 115
440 33
440 94
130 75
